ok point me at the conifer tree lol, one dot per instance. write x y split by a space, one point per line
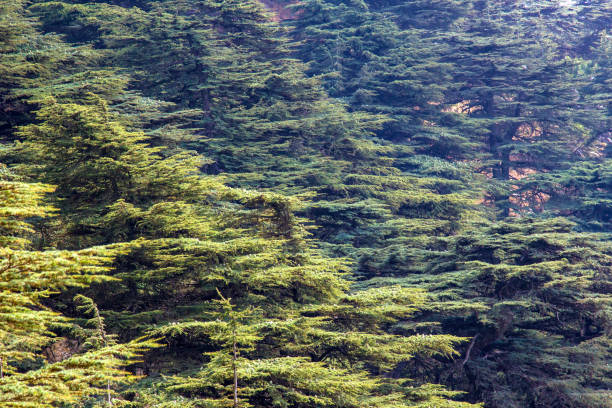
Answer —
508 98
518 90
534 296
509 69
301 361
582 190
388 65
95 161
275 129
190 235
28 326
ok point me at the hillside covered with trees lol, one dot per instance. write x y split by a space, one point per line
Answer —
306 204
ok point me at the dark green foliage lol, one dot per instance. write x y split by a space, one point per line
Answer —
376 66
534 295
189 238
269 127
583 190
497 84
451 156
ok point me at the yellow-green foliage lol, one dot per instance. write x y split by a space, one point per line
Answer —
307 213
27 325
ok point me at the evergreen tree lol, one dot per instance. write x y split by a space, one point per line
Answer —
28 327
582 191
399 130
188 236
517 90
275 129
510 57
534 296
377 56
301 360
95 161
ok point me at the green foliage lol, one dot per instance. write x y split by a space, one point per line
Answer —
267 126
95 161
533 295
582 191
208 160
27 325
494 85
302 360
189 236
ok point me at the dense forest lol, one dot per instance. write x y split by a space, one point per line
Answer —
306 203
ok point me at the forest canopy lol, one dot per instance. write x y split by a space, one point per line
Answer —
306 204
